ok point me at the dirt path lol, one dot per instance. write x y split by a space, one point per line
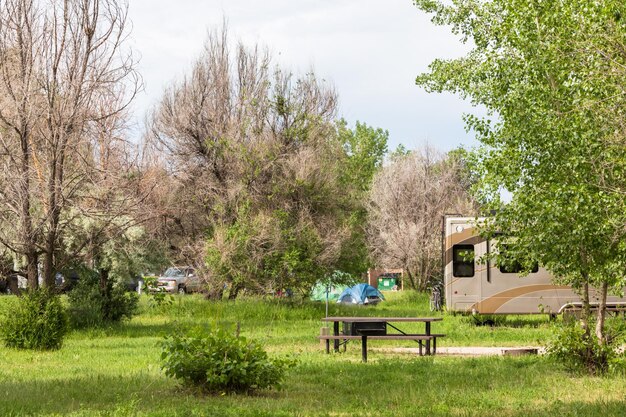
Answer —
475 351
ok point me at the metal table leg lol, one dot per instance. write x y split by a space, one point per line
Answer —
364 348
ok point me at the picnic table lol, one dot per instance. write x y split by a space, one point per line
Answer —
375 328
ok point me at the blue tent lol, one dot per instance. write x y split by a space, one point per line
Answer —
361 294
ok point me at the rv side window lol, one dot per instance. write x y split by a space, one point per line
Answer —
463 261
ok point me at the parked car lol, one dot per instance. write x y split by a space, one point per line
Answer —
12 284
66 281
179 279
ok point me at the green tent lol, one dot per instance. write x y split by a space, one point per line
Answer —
318 293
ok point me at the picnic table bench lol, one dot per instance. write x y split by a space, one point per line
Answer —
375 328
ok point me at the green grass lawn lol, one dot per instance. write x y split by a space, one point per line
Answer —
115 371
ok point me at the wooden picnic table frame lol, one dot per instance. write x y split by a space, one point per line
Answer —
426 337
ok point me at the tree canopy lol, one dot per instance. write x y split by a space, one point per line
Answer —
551 76
274 181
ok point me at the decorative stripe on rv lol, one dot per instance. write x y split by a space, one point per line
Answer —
492 304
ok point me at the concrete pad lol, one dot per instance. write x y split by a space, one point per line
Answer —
474 351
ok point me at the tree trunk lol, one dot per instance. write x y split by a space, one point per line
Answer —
215 294
106 294
32 272
26 223
234 291
54 212
48 264
424 278
586 312
602 314
410 277
104 281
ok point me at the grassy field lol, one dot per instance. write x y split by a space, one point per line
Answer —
115 371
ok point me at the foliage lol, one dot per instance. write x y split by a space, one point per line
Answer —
112 371
487 319
100 296
90 305
37 321
365 147
220 362
121 248
339 278
258 252
550 76
400 152
268 177
158 296
571 346
407 200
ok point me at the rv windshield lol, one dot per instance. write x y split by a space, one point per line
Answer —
172 272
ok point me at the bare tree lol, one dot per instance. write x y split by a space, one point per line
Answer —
253 154
408 198
64 77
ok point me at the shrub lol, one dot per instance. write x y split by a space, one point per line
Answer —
571 347
158 296
220 362
90 306
492 320
37 321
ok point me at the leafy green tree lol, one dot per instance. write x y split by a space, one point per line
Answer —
399 152
551 76
365 148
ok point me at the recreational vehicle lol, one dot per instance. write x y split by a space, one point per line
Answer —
472 286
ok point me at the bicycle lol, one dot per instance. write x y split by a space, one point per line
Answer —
435 298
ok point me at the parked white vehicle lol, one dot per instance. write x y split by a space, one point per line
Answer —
485 288
179 279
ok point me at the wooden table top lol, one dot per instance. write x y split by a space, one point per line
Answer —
382 319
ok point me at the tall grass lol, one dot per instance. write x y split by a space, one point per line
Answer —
115 371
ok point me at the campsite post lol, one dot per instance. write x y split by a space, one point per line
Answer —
327 291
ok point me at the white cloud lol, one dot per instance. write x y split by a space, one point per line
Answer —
371 50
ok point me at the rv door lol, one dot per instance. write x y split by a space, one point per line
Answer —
462 273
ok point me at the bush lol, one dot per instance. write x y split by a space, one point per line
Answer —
158 296
219 362
493 320
577 352
92 307
37 321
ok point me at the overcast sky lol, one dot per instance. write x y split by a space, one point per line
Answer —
371 50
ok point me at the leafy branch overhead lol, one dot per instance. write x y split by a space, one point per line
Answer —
550 75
